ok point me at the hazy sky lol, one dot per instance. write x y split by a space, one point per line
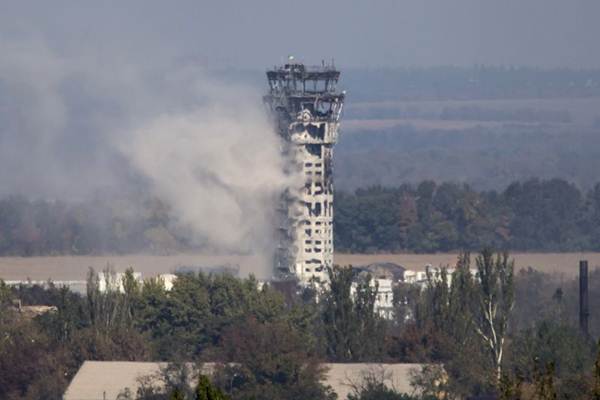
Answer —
253 34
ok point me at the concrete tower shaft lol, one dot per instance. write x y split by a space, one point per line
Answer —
306 107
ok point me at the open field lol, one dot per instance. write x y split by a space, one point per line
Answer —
366 125
76 267
562 263
582 110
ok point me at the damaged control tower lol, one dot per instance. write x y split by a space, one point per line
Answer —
307 106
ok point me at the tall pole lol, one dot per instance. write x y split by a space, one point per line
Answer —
584 306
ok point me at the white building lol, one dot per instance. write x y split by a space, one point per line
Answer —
168 280
420 277
114 280
384 302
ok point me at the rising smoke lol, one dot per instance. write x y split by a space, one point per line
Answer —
218 165
72 125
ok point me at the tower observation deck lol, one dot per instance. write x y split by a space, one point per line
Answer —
306 106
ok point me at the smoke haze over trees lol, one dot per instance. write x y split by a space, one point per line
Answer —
534 215
73 129
121 156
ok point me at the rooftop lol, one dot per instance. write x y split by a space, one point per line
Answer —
100 380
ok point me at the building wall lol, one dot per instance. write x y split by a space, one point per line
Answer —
307 107
314 227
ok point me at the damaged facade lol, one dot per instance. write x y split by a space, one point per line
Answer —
306 106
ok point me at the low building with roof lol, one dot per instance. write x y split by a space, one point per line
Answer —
106 380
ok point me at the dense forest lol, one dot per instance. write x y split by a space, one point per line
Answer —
550 215
278 335
540 215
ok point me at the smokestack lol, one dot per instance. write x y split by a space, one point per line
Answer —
584 306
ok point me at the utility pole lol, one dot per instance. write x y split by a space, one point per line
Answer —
584 306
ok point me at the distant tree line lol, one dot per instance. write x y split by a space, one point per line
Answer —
501 332
99 225
543 215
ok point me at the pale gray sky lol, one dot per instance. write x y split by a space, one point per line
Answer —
253 34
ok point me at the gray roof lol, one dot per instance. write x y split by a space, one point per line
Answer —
104 380
387 270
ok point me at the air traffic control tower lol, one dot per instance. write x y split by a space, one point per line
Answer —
306 107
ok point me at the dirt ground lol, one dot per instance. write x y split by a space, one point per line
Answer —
76 267
562 263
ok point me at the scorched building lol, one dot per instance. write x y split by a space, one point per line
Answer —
306 105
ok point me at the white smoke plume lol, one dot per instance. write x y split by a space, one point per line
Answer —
218 165
72 124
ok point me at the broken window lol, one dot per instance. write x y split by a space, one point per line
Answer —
318 188
314 149
317 209
316 131
308 186
309 209
308 106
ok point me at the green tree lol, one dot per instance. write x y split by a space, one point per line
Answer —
177 394
353 330
596 387
373 388
495 294
270 361
444 317
544 383
131 295
207 391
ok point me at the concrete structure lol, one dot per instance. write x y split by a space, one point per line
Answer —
384 302
105 380
114 280
75 286
168 280
306 106
420 277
